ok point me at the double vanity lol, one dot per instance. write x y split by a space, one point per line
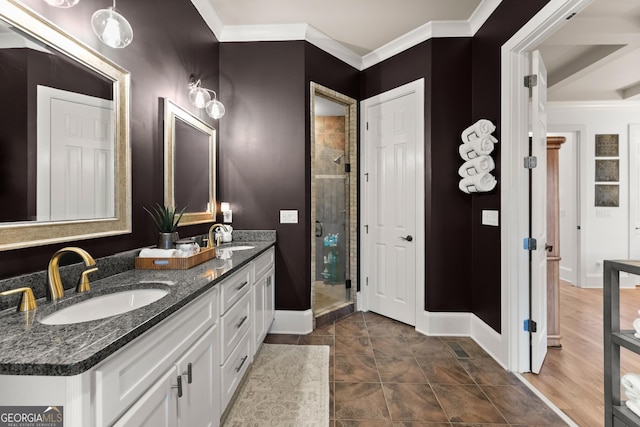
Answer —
175 359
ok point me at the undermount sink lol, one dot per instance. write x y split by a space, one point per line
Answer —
239 248
102 306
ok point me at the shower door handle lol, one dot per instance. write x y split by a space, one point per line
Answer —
319 229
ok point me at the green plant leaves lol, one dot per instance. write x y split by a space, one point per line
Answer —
166 218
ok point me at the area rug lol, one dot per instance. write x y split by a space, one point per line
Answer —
287 386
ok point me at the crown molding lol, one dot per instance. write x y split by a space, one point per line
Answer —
263 33
482 13
210 16
433 29
288 32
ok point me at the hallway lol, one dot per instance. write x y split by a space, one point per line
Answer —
572 378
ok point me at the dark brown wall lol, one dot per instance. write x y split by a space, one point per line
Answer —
508 18
263 154
171 42
445 64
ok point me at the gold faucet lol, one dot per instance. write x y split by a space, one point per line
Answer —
213 227
27 302
56 291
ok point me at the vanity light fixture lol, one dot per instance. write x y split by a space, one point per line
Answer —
200 98
111 27
64 4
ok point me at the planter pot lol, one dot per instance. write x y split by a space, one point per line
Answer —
167 240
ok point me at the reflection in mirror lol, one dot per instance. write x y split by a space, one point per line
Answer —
64 137
189 174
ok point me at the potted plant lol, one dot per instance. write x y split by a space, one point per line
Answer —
166 219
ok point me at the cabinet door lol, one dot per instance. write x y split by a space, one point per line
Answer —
200 372
258 312
157 407
269 300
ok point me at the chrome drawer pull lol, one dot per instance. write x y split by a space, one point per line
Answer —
179 386
244 319
244 359
189 373
242 286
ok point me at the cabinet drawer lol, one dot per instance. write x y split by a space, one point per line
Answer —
234 324
234 369
263 263
233 288
123 378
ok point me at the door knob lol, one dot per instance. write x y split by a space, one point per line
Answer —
408 238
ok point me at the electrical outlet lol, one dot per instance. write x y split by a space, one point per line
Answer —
490 218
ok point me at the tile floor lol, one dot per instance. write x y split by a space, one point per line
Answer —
385 374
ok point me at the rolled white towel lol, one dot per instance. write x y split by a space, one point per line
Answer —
475 166
631 384
480 128
157 253
634 406
478 183
482 146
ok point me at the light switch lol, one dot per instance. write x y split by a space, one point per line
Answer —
490 218
288 217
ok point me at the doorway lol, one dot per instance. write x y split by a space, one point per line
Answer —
514 120
333 203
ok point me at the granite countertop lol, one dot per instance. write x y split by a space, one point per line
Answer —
28 347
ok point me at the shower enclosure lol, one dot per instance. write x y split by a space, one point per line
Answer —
333 147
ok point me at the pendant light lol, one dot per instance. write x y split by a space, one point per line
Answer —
64 4
111 27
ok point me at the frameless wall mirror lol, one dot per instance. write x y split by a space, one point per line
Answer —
189 165
64 137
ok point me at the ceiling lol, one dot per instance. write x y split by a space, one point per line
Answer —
595 56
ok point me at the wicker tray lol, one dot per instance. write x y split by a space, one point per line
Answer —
175 263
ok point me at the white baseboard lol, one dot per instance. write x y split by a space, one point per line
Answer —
292 322
465 325
444 324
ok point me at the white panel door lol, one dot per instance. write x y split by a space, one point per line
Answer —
539 213
634 191
391 207
75 155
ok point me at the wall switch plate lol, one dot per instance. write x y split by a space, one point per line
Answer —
288 217
490 218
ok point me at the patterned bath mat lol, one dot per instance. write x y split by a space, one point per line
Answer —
287 386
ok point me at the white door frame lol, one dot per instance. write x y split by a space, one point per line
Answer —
514 184
416 87
580 133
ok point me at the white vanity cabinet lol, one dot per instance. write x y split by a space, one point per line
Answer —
196 396
207 346
263 297
177 352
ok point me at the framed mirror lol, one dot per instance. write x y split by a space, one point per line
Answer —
189 165
64 138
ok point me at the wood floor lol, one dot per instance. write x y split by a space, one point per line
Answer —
572 377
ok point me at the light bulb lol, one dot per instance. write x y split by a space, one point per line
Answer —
199 97
215 109
111 34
